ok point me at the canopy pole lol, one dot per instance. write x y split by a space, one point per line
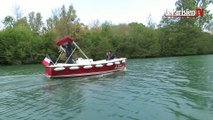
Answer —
70 55
58 57
80 49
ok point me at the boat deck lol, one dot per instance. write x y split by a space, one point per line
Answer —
81 62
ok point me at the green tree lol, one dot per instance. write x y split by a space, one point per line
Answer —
22 23
192 5
8 21
150 23
35 22
64 22
209 27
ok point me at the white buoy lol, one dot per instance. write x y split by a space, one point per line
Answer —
99 65
59 69
74 68
87 67
109 64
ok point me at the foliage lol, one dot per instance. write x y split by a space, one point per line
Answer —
27 40
35 22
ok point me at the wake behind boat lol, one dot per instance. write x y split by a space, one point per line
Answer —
80 67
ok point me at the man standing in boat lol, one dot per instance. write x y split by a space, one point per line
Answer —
68 51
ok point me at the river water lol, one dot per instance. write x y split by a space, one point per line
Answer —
174 88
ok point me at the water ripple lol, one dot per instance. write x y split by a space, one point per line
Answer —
159 88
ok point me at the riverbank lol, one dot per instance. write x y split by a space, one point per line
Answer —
39 63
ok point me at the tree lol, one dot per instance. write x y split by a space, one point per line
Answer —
23 41
35 22
209 27
22 23
18 12
8 21
192 5
64 22
150 23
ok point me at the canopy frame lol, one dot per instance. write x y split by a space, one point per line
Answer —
68 40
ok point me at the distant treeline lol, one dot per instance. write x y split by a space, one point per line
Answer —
26 40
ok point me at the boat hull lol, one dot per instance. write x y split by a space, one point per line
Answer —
89 69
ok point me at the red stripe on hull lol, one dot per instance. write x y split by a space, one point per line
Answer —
67 72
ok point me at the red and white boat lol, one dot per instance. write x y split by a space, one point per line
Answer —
81 67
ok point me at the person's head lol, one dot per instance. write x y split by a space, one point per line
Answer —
110 52
107 53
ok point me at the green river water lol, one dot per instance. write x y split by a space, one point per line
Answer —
174 88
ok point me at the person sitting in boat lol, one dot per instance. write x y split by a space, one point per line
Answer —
107 55
110 55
